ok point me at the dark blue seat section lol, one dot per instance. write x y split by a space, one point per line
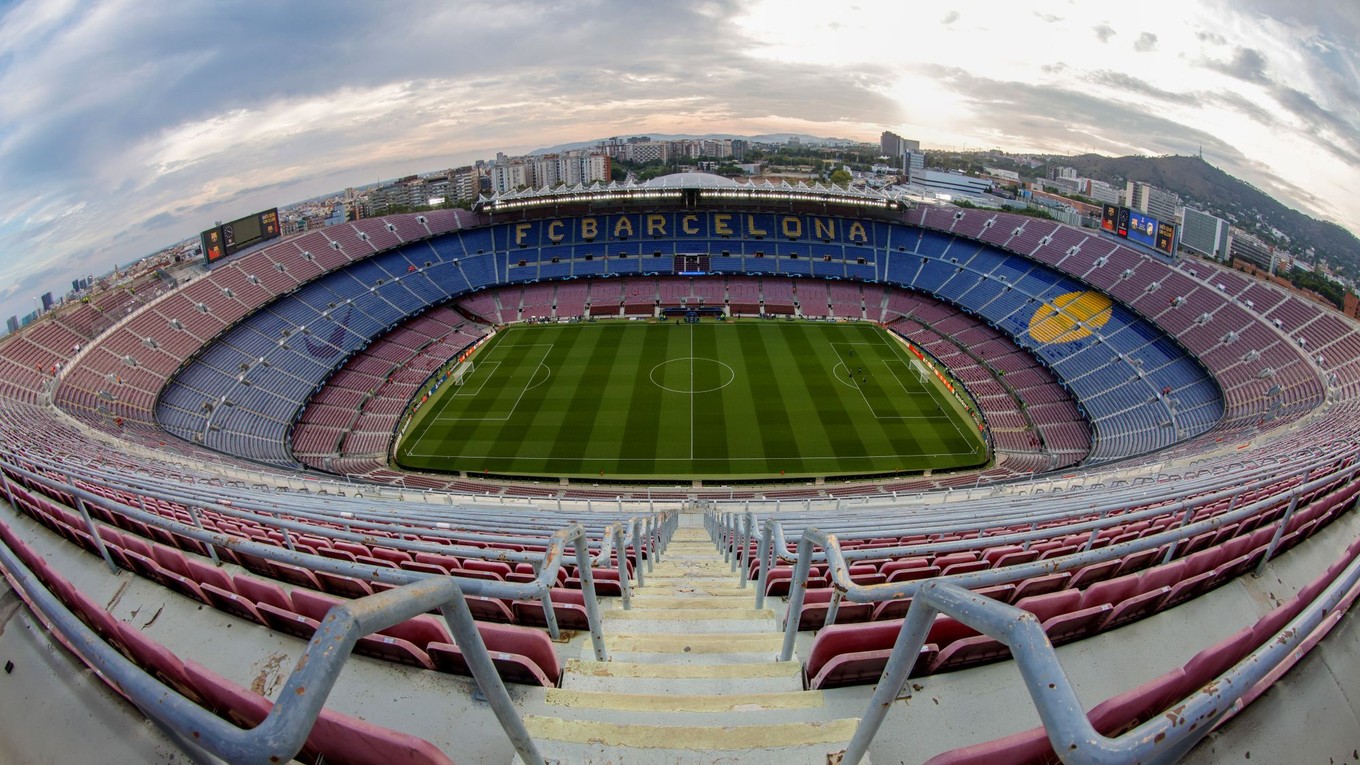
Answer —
241 394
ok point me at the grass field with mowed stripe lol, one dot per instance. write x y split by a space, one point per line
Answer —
716 400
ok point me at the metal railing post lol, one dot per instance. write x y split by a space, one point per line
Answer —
726 537
796 594
652 541
9 493
588 591
765 544
465 634
740 547
639 561
833 608
906 648
94 532
1279 532
622 564
212 549
1171 548
89 525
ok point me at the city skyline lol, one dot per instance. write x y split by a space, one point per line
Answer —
131 124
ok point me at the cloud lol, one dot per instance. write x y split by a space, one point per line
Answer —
1123 83
1338 134
126 125
1247 64
1057 119
274 103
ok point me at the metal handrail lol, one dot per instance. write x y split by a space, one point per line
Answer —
246 507
847 589
1163 739
549 562
868 522
284 730
774 548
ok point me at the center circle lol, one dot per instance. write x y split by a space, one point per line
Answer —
712 370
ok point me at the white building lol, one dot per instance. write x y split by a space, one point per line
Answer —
510 175
1099 191
1149 199
1205 234
950 183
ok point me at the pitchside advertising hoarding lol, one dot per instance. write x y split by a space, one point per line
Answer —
1138 227
230 238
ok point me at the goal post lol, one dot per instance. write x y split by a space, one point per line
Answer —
922 376
461 372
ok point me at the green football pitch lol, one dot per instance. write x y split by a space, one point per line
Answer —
710 401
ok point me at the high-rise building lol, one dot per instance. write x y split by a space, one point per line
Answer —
1149 199
913 163
597 167
549 170
47 302
464 182
893 145
12 324
647 151
508 176
1248 249
1205 234
1099 191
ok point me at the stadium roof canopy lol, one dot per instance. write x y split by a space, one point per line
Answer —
677 186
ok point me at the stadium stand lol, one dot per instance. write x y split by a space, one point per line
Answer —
1203 424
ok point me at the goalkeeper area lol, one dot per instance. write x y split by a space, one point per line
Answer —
714 401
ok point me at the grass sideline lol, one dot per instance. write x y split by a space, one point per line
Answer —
714 401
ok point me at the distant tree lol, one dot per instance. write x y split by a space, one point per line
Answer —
1311 280
841 177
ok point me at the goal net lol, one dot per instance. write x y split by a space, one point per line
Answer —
921 373
461 372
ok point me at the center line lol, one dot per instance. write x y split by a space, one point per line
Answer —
691 391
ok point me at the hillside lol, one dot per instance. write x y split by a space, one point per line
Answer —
1202 185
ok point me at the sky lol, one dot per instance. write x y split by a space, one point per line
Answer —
129 125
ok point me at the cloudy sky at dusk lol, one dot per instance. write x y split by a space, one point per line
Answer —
127 125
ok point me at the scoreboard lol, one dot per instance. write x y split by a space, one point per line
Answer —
230 238
1137 227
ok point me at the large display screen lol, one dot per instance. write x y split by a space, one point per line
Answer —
1121 224
231 238
1142 229
212 244
1166 238
1109 218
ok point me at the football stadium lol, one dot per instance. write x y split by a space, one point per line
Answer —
686 470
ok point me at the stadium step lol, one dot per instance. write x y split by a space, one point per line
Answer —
713 679
692 648
593 741
695 640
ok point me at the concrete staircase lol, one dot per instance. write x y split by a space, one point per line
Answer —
692 678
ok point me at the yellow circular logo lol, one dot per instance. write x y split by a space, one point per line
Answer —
1071 316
